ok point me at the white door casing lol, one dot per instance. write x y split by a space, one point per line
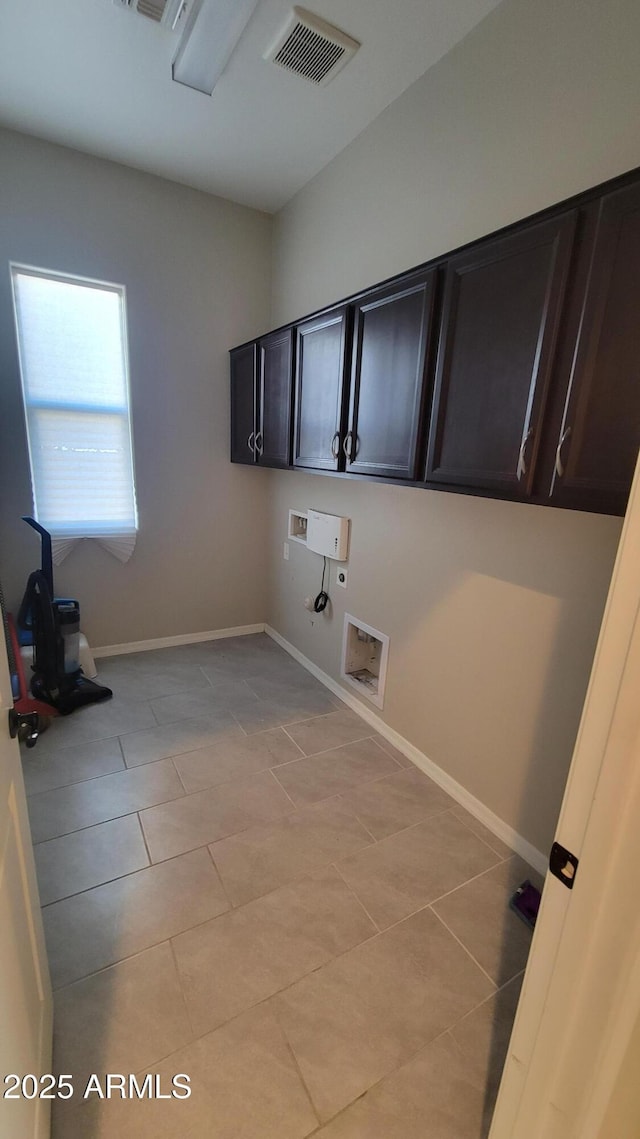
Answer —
26 1015
580 1006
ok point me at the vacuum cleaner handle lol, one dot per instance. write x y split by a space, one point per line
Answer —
46 560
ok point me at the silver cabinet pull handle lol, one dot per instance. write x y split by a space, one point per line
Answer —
335 445
521 469
250 443
559 464
346 446
259 446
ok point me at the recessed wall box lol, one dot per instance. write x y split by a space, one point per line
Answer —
297 526
364 659
328 534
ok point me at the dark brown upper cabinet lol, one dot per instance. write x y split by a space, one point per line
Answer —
514 364
391 339
501 312
243 404
274 393
595 446
261 391
320 385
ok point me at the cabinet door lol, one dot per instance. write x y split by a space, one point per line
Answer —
500 319
389 377
598 441
320 364
243 396
273 438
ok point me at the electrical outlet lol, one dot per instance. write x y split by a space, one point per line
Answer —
341 577
285 552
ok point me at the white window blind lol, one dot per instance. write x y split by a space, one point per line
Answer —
73 363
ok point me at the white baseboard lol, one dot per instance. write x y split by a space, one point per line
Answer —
181 639
496 825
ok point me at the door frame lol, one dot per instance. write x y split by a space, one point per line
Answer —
24 966
580 1000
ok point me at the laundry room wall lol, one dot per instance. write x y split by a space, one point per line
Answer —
196 270
492 608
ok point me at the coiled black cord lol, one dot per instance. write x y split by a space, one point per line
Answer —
322 600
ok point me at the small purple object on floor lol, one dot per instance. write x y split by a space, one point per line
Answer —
526 903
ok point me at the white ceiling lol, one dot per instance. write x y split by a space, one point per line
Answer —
98 78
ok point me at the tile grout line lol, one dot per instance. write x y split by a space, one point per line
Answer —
245 733
79 743
403 830
76 782
343 1110
326 750
318 716
172 761
298 1070
357 897
222 884
458 807
272 998
144 949
424 905
356 816
207 678
185 1004
109 819
388 754
210 787
378 1083
366 782
282 788
290 737
486 1000
121 749
297 809
206 846
467 951
207 921
174 755
468 881
97 885
374 840
144 838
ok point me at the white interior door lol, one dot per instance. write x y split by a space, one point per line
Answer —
25 988
569 1068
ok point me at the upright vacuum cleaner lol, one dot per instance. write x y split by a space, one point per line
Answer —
52 625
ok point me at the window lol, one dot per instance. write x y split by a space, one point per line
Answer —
72 344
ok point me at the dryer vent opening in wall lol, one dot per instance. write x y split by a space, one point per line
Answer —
311 48
364 659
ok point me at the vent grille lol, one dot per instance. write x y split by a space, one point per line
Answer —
309 54
170 13
153 9
311 48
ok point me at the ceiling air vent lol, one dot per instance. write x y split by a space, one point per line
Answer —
154 9
311 48
169 13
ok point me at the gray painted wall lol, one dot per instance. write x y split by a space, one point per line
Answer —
493 609
196 269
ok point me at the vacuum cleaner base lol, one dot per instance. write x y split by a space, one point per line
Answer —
79 692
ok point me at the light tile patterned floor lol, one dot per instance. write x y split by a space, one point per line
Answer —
243 883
